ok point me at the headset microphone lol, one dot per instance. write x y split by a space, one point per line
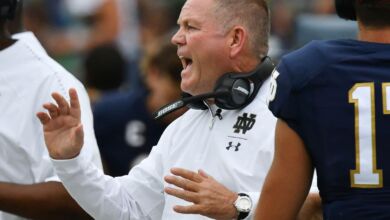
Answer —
186 101
232 90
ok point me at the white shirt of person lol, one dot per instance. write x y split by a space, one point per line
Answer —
237 150
28 77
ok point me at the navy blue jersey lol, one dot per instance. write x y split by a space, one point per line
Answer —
125 130
336 96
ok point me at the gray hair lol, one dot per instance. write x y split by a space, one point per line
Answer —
253 15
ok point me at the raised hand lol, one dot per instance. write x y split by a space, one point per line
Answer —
62 126
209 197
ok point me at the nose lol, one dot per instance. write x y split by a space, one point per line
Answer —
178 38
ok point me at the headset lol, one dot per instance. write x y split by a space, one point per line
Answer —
8 8
231 91
346 9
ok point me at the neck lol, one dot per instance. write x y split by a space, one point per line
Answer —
246 65
375 35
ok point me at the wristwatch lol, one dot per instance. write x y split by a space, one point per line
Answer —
243 205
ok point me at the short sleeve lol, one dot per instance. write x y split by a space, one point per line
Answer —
282 100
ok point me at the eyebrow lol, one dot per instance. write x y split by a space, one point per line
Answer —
187 20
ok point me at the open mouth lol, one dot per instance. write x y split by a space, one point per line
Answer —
186 62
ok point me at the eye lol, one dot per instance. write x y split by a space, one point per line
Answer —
189 27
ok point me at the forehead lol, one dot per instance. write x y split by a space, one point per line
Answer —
197 9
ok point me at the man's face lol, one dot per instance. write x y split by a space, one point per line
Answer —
202 47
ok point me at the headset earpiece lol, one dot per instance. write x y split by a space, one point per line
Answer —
241 89
346 9
237 90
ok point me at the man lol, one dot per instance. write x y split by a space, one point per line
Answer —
29 187
331 98
206 161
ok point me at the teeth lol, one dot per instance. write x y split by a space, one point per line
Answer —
183 61
186 62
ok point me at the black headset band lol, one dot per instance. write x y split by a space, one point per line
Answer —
255 80
265 69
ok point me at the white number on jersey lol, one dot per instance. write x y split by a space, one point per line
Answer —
366 174
273 86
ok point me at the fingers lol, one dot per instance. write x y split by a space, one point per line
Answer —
74 99
187 174
43 117
192 209
64 108
183 194
182 183
203 174
62 103
53 110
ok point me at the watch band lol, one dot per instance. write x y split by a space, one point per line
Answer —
242 215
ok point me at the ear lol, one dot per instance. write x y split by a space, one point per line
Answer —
237 40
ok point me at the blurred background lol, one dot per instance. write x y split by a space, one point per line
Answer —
119 49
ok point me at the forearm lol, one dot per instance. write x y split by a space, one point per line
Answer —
312 208
278 200
289 178
39 201
100 195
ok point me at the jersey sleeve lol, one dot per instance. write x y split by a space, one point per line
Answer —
289 79
283 99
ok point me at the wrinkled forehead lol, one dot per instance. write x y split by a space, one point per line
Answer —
197 9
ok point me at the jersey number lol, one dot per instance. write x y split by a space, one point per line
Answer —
366 174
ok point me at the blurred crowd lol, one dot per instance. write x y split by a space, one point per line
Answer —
121 51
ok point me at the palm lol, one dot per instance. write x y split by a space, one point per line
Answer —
62 130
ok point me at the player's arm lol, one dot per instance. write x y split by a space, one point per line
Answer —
40 201
289 179
311 208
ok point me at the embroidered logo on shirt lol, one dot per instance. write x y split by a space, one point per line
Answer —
244 123
236 147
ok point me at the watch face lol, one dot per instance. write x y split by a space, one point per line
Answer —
244 204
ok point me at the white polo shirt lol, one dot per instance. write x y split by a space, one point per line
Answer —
236 150
28 76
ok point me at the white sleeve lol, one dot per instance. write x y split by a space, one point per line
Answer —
90 149
138 195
